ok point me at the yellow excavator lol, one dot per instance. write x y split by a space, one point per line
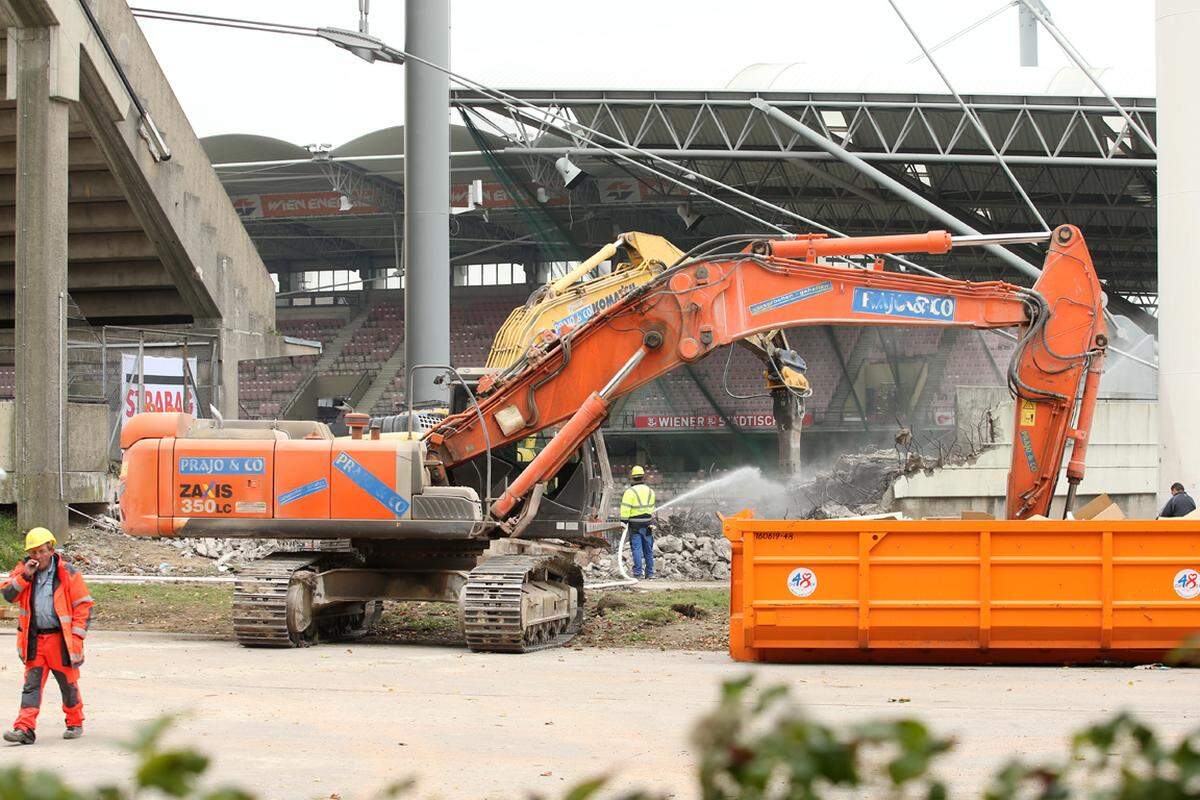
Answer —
636 259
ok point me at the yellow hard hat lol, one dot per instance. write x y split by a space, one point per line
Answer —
38 537
637 472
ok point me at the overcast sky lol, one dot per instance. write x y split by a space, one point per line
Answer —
304 90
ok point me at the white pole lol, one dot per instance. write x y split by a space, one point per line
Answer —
1177 25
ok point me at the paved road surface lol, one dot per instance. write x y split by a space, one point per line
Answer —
307 723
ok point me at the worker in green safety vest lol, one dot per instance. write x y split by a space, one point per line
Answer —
637 512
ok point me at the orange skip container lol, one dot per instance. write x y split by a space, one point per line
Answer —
963 591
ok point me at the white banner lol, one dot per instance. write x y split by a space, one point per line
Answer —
164 385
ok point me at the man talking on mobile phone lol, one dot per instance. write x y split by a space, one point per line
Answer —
55 609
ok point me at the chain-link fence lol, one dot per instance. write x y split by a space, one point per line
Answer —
129 370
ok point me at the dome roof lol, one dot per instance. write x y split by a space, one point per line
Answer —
232 147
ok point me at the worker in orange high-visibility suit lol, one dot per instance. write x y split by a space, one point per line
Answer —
55 609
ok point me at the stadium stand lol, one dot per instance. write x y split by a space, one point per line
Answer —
930 363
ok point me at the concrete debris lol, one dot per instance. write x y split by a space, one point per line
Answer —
231 555
687 546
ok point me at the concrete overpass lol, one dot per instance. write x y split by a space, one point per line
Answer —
100 209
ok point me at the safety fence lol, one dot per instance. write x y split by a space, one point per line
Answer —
129 370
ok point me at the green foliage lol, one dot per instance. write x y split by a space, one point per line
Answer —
173 772
758 744
1119 759
12 547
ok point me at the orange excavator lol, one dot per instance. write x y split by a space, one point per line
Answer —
375 516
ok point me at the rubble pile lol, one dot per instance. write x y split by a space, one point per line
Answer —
857 484
687 547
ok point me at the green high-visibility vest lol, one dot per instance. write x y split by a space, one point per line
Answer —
637 501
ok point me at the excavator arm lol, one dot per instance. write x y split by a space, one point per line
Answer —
702 304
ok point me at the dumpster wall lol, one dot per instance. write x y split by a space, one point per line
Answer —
970 591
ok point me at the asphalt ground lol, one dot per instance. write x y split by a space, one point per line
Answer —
347 719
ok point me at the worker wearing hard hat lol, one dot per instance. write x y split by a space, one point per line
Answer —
637 512
55 609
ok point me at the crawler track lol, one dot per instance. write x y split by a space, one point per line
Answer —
494 604
261 596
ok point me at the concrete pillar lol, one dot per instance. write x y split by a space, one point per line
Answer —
41 279
1177 31
427 196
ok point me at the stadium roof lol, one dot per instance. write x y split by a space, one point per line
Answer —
1072 153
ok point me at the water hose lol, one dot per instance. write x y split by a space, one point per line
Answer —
627 580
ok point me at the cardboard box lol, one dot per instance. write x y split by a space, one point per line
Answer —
1101 508
976 515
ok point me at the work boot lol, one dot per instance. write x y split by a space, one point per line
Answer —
73 732
20 736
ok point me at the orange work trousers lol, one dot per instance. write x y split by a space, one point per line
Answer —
49 658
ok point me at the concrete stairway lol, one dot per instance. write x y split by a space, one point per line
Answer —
935 370
333 350
383 379
329 355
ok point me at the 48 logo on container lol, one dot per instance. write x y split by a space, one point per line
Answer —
802 582
1187 583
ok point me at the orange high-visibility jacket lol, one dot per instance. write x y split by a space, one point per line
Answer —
72 605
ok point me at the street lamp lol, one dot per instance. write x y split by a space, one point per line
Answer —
363 45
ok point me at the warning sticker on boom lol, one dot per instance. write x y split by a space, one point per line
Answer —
1028 413
791 297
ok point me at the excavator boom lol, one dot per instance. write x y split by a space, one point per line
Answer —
700 305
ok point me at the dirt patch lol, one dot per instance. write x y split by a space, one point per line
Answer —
101 552
418 623
674 619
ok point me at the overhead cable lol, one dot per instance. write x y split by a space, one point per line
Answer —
567 126
970 112
1083 65
968 29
